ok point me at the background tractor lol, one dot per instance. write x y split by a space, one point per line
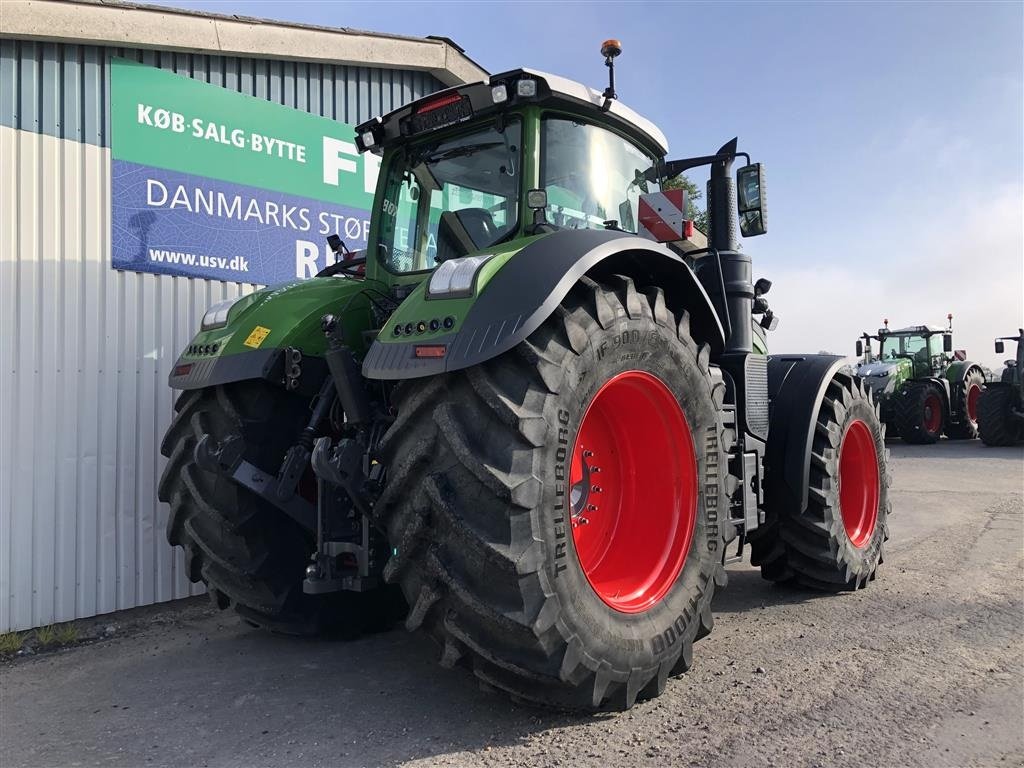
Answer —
1001 406
543 428
923 389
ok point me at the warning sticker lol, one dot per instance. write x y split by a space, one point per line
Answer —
258 335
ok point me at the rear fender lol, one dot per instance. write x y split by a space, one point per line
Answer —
796 389
524 292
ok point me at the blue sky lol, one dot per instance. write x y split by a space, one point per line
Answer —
893 135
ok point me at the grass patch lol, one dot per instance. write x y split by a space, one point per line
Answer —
11 642
55 635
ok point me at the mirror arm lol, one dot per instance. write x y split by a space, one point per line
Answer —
672 168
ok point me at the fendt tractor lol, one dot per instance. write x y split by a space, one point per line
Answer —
1001 406
544 428
924 391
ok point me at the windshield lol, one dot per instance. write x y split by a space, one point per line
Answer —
448 198
916 347
591 175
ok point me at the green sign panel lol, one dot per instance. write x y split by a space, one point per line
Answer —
208 182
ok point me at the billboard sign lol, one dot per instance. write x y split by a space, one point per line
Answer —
211 183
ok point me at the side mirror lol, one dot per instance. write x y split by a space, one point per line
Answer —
537 201
1000 347
947 342
751 201
762 286
860 348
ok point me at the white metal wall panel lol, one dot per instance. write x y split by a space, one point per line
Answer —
85 350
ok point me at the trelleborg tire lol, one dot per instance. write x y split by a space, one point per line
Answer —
919 412
836 542
492 469
996 424
967 396
250 555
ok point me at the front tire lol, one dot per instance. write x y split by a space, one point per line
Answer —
835 542
919 412
490 468
967 396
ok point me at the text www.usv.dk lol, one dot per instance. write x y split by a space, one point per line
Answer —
237 264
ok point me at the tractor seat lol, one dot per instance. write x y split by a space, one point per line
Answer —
465 231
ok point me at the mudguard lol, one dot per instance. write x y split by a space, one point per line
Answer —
527 289
957 372
796 388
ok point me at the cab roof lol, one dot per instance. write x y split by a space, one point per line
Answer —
913 330
465 102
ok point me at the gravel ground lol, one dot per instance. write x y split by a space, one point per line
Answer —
923 668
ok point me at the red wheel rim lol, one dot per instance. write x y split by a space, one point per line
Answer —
858 483
932 413
633 490
972 402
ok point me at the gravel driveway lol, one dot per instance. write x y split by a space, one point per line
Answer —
923 668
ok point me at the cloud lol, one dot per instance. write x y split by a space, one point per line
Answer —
970 264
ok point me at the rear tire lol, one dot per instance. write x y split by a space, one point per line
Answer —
479 506
836 542
997 425
250 555
967 396
919 411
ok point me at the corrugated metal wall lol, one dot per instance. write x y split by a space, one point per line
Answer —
84 349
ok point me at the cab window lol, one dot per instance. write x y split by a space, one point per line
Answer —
591 175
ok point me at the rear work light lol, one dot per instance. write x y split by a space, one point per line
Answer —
430 350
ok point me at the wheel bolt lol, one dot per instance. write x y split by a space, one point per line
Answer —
587 454
592 507
595 488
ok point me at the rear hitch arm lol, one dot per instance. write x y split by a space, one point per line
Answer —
225 458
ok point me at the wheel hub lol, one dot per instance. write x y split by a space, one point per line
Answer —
633 491
972 402
859 488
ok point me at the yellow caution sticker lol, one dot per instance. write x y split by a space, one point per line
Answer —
257 337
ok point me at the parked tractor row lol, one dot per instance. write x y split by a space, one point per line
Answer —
925 389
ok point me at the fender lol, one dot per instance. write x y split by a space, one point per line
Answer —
528 288
796 389
956 373
955 379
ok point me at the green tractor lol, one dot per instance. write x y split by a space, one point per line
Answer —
1001 406
923 390
543 429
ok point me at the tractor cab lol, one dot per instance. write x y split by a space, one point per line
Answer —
479 166
922 345
1013 367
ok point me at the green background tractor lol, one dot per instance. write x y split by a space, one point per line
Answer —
543 429
924 391
1001 407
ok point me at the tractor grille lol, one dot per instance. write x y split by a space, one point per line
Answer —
757 395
